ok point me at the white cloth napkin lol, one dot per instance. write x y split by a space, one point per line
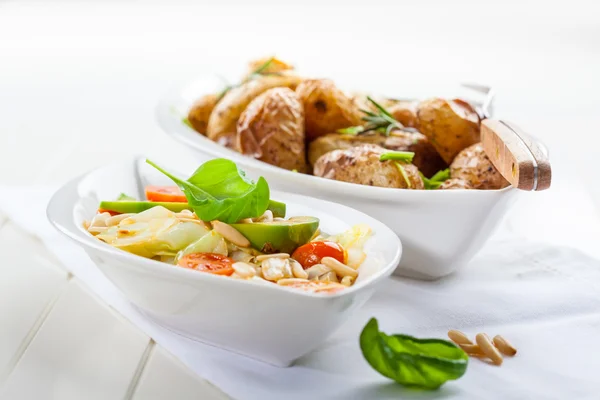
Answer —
543 298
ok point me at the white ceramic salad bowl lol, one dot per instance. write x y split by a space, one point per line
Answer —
264 321
440 230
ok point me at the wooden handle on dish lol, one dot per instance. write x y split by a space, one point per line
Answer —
520 159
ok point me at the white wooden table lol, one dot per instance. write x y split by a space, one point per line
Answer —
79 81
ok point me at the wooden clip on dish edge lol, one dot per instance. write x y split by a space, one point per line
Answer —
521 160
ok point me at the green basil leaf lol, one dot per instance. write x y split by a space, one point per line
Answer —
424 363
218 190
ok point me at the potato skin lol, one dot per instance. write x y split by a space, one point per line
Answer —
450 125
361 165
271 129
276 65
201 110
455 183
404 112
223 119
326 107
427 160
473 166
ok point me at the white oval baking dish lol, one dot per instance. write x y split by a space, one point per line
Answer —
440 230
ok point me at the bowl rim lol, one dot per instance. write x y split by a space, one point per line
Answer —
172 125
59 213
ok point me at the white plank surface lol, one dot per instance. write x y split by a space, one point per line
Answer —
165 377
82 351
29 284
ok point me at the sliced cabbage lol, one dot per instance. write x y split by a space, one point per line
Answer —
211 242
353 240
154 232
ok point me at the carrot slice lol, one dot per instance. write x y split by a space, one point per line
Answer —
169 194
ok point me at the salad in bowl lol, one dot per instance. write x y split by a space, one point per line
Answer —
222 259
220 223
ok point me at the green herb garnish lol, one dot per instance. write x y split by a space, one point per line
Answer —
219 190
406 156
403 173
423 363
382 121
258 72
352 130
436 180
125 197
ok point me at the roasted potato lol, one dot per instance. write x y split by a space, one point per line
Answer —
455 183
201 110
473 166
326 108
404 112
226 113
450 125
271 129
335 141
360 164
276 65
427 160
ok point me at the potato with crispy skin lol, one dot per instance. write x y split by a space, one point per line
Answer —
275 65
404 112
200 112
473 166
450 125
361 165
326 108
226 113
455 183
426 158
271 129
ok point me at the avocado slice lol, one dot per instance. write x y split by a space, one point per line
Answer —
134 206
279 236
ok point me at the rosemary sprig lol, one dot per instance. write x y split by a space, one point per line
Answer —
381 121
257 73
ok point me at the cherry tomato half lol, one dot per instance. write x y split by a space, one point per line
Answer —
312 253
168 194
212 263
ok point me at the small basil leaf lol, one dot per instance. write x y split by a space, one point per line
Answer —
218 190
424 363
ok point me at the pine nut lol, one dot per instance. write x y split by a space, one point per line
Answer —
471 349
458 337
347 280
246 221
244 270
230 233
317 270
298 270
97 229
291 281
504 346
263 257
329 277
488 348
266 217
339 268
